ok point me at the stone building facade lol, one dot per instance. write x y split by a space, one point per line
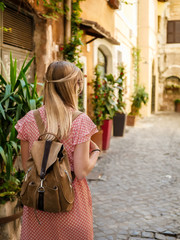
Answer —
169 54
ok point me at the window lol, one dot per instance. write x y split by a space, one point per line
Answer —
102 62
21 35
173 32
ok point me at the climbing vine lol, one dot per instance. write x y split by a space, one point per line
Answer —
136 60
53 8
72 49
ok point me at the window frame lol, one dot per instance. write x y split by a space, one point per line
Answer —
172 32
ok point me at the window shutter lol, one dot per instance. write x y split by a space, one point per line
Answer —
170 32
177 32
21 35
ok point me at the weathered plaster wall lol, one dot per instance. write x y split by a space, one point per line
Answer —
100 12
48 37
126 34
147 43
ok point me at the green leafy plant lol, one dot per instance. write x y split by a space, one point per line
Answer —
103 98
120 86
177 101
17 97
97 99
139 97
71 50
109 98
136 60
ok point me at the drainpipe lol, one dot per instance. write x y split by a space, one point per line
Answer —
67 21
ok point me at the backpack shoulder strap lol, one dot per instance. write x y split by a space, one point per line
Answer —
39 121
75 115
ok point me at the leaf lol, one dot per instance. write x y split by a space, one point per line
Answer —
3 155
22 67
9 161
13 132
12 69
2 111
3 194
7 94
32 104
18 111
34 87
28 65
15 146
24 90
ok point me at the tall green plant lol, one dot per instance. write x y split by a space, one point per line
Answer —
71 50
97 98
109 98
17 97
120 86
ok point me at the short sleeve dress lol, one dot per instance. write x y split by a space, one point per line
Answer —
78 223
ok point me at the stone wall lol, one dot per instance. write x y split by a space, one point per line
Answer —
169 59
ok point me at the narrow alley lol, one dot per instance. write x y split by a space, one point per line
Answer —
138 195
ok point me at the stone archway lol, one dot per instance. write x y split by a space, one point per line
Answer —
171 91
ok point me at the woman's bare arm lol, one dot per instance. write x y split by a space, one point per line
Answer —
24 153
84 161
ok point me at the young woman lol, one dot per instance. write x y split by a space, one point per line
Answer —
63 83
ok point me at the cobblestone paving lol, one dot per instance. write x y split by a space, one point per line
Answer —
138 197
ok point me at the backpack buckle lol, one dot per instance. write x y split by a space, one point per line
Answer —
41 188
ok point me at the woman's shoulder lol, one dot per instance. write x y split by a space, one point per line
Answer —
29 117
82 117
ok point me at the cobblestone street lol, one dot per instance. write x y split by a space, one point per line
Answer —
138 195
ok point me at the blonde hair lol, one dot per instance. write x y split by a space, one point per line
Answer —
63 81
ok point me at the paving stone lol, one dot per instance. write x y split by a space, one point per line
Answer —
121 237
135 233
170 238
148 234
160 236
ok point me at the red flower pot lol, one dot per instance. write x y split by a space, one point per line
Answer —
106 127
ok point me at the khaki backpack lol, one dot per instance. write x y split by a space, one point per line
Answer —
47 184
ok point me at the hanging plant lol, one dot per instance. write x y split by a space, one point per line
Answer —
53 8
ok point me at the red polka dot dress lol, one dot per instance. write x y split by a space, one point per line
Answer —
78 223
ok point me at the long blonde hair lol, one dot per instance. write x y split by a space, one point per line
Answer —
63 81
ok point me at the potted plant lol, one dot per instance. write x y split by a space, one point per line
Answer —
177 105
119 118
17 97
109 108
139 97
97 102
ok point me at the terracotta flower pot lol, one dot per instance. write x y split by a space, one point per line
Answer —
97 138
130 120
10 222
106 127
